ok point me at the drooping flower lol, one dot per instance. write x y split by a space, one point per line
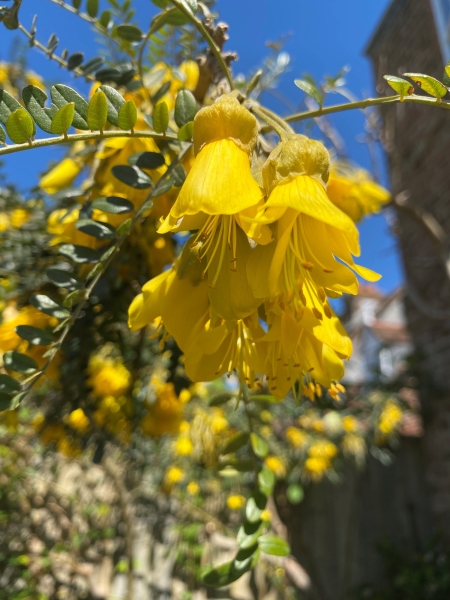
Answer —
61 176
354 191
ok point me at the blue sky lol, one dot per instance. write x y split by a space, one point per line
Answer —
325 35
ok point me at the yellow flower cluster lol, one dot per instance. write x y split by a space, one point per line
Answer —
14 220
249 293
319 461
165 415
390 418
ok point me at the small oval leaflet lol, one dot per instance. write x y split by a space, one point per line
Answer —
234 443
34 99
161 117
63 119
255 507
8 385
8 105
127 117
63 94
186 132
113 204
260 446
79 254
185 108
34 335
178 176
272 544
101 231
49 306
150 160
63 278
310 89
129 33
97 112
20 126
21 363
132 176
401 86
161 92
249 533
428 84
2 135
75 60
266 481
114 101
92 8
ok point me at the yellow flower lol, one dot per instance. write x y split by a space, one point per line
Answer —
184 446
19 216
322 449
235 502
78 420
276 465
315 467
4 221
354 192
108 377
217 198
192 488
165 415
266 416
353 445
69 446
296 437
390 418
350 423
174 475
61 223
266 515
61 176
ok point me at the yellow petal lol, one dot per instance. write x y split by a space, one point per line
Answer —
60 176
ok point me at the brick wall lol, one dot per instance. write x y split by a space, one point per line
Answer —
417 140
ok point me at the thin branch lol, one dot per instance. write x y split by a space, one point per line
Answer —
71 9
204 33
93 135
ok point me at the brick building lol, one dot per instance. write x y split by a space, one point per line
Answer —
414 36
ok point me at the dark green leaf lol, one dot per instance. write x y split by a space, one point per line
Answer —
186 132
115 103
113 204
108 74
150 160
101 231
92 65
8 385
52 43
105 19
124 227
97 111
62 278
75 60
132 176
49 306
234 443
20 126
401 86
17 400
185 107
249 533
162 187
63 118
76 4
220 398
62 94
79 254
92 8
295 493
238 464
255 507
310 89
127 116
8 105
161 92
34 335
272 544
129 33
21 363
34 99
260 446
231 571
2 135
5 401
75 297
266 481
178 176
428 84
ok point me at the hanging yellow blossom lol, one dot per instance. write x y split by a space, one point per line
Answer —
61 176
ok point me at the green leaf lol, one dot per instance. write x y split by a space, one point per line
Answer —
272 544
63 278
446 76
49 306
92 8
115 102
62 94
92 65
8 385
124 227
186 132
185 107
249 533
8 105
178 176
231 571
21 363
295 493
75 297
79 254
20 126
162 187
75 60
266 481
132 176
129 33
238 464
310 89
147 160
401 86
76 4
220 398
105 19
17 400
34 99
234 443
161 117
97 111
127 116
34 335
101 231
5 401
255 507
263 398
114 205
260 446
428 84
63 118
2 136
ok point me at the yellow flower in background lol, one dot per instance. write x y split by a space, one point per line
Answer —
53 432
235 502
354 191
354 446
108 376
69 446
316 467
276 465
192 488
78 420
61 224
185 76
4 221
18 217
350 424
296 437
266 515
323 449
174 475
165 415
184 446
390 418
9 340
61 176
